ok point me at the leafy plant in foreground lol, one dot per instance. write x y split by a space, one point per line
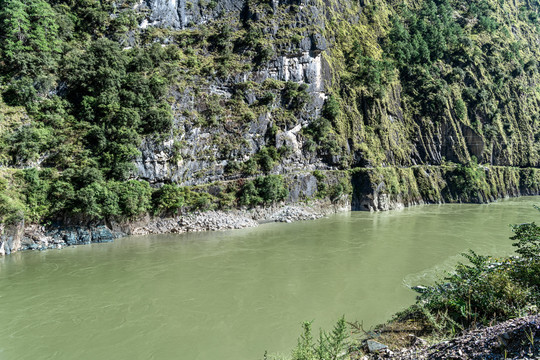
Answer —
487 289
330 346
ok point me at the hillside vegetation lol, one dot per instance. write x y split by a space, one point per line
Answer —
88 94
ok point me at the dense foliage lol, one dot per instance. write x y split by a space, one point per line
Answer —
50 195
88 100
264 190
81 85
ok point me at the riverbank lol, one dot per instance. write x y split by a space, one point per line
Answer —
463 306
39 237
512 339
311 195
485 308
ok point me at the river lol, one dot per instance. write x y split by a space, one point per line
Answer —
231 295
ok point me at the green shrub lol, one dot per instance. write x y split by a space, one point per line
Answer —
323 135
233 167
200 201
527 237
11 210
168 199
461 109
295 96
227 199
96 200
158 119
266 158
12 207
263 190
267 99
271 188
134 197
331 108
330 346
249 167
250 195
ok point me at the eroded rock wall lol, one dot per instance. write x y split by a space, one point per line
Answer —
314 43
198 151
381 189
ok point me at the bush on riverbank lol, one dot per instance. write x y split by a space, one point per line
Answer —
45 195
485 291
263 190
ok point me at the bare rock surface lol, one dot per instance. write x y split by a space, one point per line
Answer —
232 219
295 213
19 237
203 221
512 339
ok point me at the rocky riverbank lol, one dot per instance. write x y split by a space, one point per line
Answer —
512 339
38 237
232 219
311 195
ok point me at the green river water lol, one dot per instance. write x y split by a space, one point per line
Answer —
232 295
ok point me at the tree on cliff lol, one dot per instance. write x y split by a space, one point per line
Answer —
29 35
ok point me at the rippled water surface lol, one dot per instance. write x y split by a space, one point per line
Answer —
234 294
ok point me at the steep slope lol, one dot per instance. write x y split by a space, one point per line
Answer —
402 83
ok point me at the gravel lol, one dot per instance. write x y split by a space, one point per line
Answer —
512 339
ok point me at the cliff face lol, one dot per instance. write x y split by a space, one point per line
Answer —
290 64
265 99
312 84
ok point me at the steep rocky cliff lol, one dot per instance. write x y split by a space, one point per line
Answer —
263 87
477 99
